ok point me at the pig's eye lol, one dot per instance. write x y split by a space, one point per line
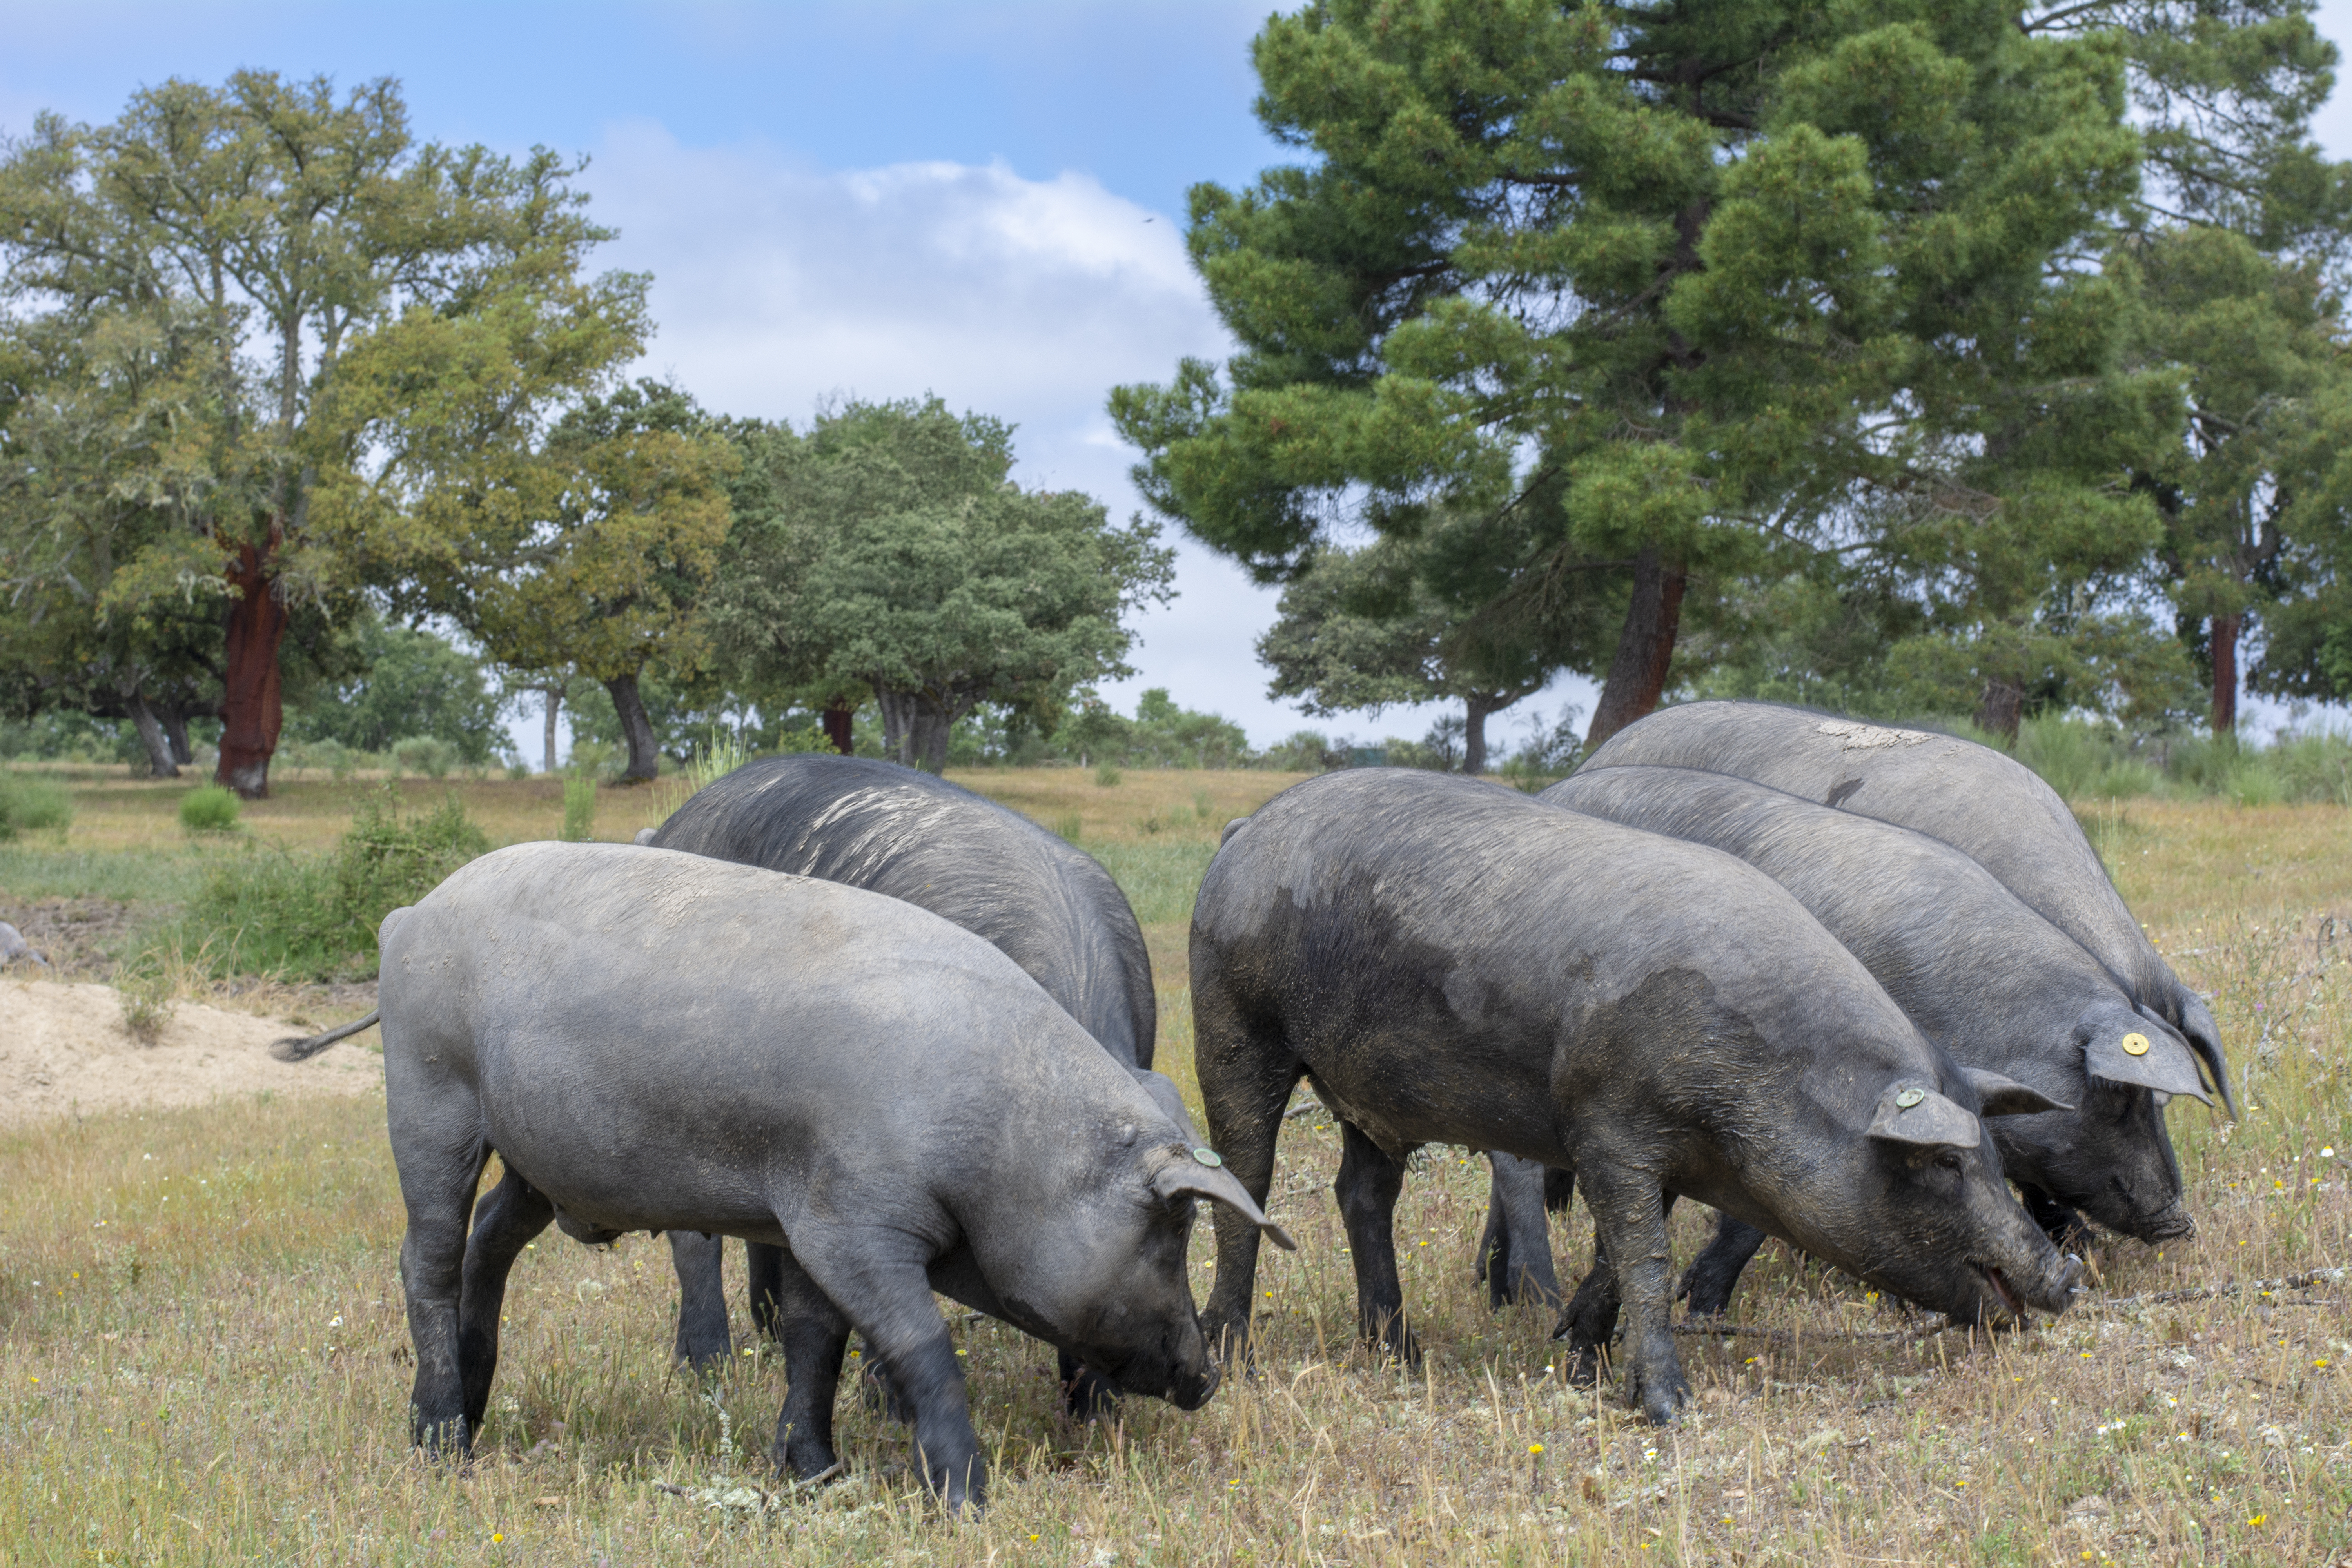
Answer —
1949 1162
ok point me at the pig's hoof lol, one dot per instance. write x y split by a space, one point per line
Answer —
1659 1398
1584 1367
880 1392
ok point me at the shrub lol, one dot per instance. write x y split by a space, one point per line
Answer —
1106 776
28 805
423 755
211 809
268 910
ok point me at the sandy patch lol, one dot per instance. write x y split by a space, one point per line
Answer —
63 1049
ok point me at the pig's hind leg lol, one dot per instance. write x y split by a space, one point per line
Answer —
702 1341
1369 1181
509 1215
1709 1280
814 1333
438 1148
1515 1254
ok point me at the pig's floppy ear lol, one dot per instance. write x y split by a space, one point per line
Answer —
2143 1054
2005 1095
1165 1095
1185 1176
1915 1115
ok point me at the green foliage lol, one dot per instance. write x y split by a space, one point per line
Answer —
1106 774
887 550
579 806
266 911
211 809
406 684
425 754
28 805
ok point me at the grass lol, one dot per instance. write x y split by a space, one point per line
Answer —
218 1372
29 803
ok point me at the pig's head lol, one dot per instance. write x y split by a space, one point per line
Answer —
1921 1205
2109 1156
1110 1275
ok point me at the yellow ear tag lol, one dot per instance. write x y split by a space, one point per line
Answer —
1909 1097
2134 1045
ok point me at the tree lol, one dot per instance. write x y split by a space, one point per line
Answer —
888 550
1677 282
1358 630
293 225
405 681
2242 237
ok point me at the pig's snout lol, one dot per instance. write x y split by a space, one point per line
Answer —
2174 1224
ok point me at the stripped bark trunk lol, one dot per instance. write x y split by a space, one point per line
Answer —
636 728
836 728
1645 647
152 735
251 713
2226 631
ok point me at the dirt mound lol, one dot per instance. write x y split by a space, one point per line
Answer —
64 1050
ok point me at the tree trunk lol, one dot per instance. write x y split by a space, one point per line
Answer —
644 757
1645 647
898 723
927 743
836 728
2226 629
176 730
159 764
553 703
250 710
1998 708
1474 733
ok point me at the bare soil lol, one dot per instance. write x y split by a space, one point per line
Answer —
65 1052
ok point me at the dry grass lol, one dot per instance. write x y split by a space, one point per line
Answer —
214 1368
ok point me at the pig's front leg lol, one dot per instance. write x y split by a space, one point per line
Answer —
881 1282
702 1339
1630 1213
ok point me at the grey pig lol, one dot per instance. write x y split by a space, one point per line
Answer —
1982 975
1450 962
1046 903
1986 806
656 1041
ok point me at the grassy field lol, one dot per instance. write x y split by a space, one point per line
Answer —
205 1360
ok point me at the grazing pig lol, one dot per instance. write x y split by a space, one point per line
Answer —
1986 806
1982 975
656 1041
1044 903
1450 961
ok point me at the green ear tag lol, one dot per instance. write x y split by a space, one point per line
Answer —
1206 1155
1910 1096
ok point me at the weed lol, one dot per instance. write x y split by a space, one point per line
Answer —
29 805
212 809
1069 824
578 807
1204 805
1106 776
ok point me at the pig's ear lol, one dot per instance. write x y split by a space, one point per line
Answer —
2005 1095
1915 1115
2144 1054
1171 1101
1186 1176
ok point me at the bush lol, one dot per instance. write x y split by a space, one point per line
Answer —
211 809
28 805
1106 776
316 915
423 755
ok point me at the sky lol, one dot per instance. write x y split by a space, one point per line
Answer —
982 200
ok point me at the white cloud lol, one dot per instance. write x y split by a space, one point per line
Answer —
778 285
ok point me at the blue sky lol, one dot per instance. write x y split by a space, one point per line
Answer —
979 200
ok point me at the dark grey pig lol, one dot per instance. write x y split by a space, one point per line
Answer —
1982 975
1986 806
1450 962
656 1041
1044 903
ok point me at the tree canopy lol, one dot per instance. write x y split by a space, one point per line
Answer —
888 550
